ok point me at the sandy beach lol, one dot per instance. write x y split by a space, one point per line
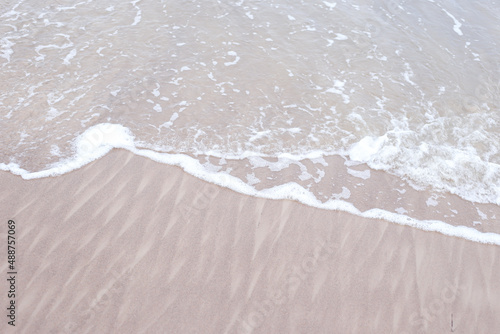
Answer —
127 245
237 167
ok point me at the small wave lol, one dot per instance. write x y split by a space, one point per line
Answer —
99 140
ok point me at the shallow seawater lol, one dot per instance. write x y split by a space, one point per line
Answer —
388 106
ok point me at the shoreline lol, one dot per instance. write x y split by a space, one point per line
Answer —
131 245
429 211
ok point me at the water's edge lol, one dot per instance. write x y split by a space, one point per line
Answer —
123 139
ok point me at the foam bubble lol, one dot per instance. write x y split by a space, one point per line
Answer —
366 148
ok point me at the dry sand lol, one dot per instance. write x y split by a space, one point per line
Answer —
126 245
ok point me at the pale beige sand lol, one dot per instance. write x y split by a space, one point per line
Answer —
126 245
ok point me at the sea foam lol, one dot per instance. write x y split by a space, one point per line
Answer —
100 139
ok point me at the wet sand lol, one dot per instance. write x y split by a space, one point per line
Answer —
127 245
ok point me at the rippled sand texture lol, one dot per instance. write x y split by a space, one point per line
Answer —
126 245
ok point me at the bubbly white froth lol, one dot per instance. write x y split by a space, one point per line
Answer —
99 140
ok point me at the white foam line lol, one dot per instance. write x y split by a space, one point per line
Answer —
138 15
236 59
100 139
69 56
457 25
